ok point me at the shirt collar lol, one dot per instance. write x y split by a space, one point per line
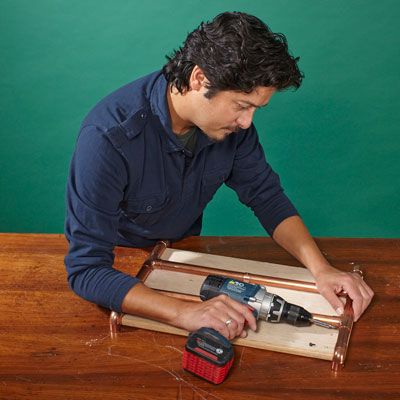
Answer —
159 107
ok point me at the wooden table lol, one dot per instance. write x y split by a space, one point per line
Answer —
54 345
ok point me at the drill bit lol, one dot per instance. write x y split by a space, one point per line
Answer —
322 324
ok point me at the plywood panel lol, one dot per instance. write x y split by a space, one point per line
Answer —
310 341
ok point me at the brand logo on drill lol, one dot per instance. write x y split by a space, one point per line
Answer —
235 288
236 283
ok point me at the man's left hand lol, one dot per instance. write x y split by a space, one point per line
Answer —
330 282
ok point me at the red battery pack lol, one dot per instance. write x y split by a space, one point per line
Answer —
208 355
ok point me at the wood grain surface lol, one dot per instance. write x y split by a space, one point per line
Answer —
54 345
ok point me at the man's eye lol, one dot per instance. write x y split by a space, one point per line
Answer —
242 107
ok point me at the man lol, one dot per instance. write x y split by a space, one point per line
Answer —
151 155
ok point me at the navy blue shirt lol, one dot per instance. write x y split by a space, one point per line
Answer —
132 183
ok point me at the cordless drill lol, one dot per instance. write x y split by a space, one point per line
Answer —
207 353
266 306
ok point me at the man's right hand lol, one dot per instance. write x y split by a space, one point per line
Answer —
221 313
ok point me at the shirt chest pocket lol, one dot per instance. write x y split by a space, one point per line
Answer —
211 181
145 211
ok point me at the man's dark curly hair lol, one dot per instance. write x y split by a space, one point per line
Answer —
236 51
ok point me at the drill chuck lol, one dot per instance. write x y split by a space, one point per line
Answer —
266 306
295 315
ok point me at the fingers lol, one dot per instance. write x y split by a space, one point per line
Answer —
333 299
366 299
229 326
229 317
242 310
366 294
354 286
359 292
233 328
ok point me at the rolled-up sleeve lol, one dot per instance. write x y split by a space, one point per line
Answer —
95 188
257 185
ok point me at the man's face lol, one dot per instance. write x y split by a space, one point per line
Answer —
228 111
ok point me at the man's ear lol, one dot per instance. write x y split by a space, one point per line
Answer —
197 79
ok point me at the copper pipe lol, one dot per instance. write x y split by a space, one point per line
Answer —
154 262
115 323
144 272
330 319
246 277
343 339
158 250
155 254
345 328
345 322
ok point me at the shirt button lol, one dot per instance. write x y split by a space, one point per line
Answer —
143 115
149 208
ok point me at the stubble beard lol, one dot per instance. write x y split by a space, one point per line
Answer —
221 137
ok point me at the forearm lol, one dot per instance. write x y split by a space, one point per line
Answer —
146 302
214 313
294 237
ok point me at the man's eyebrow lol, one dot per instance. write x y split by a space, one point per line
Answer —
252 104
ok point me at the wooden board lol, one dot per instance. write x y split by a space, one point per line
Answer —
310 341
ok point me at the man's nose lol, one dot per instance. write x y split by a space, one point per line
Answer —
245 119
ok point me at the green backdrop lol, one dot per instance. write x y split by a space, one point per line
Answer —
335 142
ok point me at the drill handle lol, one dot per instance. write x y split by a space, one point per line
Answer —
211 287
